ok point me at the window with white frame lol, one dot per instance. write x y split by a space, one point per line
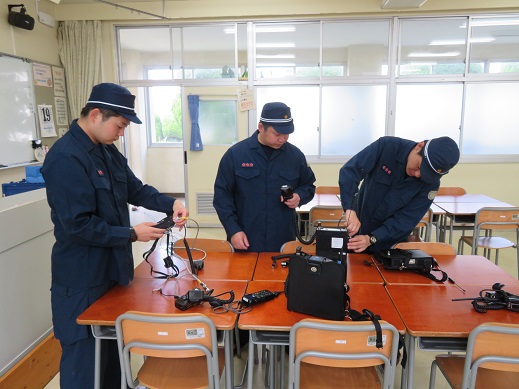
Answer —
455 76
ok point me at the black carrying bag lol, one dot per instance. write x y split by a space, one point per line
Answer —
316 286
415 260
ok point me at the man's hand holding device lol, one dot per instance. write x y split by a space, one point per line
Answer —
144 232
289 197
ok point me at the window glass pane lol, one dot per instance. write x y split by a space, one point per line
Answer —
287 50
142 48
491 117
432 46
428 111
353 117
355 48
217 121
208 51
494 45
304 106
243 72
165 114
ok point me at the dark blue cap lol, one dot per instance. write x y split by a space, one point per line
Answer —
439 156
115 98
278 116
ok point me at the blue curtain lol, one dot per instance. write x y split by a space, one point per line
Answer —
196 138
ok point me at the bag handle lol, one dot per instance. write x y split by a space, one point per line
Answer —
431 276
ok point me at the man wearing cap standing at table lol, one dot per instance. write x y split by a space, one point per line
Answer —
89 186
247 189
400 180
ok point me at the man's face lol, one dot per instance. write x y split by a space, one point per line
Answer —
270 137
108 130
414 161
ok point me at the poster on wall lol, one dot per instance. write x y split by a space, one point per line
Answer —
42 75
246 99
61 111
58 75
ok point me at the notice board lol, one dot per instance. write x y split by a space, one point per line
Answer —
33 106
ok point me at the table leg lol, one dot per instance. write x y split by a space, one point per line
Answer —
251 361
229 360
407 373
97 364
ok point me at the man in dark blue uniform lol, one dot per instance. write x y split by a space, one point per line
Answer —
89 186
400 180
247 190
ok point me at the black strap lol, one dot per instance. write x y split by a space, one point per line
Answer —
434 278
168 263
367 315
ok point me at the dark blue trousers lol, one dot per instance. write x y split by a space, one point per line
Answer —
77 364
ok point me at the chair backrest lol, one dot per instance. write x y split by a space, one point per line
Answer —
291 247
495 218
431 248
491 346
162 336
328 216
451 191
327 190
342 344
146 333
210 245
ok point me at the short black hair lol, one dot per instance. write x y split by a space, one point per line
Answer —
106 113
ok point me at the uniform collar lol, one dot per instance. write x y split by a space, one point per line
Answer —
255 143
81 136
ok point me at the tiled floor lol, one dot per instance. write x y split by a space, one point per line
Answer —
423 359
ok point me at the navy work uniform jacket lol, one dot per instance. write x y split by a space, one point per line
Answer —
89 187
389 203
247 192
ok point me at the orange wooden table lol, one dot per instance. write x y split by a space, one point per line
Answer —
217 266
140 296
360 269
273 315
463 269
439 323
270 322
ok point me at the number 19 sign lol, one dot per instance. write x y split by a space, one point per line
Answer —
46 121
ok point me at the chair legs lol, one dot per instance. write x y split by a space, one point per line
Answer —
432 378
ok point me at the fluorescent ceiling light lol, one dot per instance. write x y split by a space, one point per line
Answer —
229 30
275 65
492 22
422 63
276 56
275 29
452 42
281 45
425 55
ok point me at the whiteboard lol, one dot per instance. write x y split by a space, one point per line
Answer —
18 120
